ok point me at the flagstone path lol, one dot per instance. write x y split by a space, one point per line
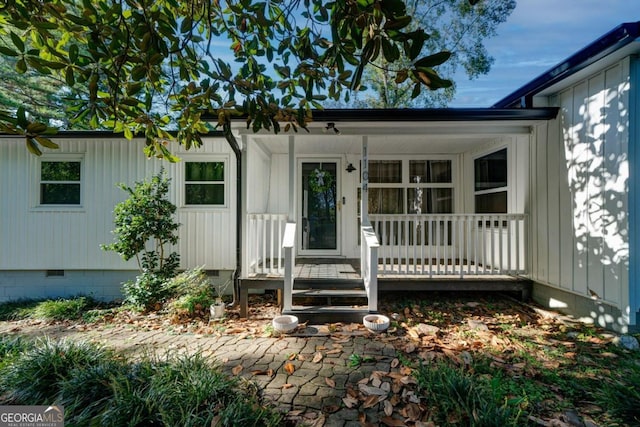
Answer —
310 378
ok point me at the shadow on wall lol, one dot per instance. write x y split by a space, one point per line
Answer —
597 166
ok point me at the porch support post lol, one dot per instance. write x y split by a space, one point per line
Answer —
364 200
292 181
290 232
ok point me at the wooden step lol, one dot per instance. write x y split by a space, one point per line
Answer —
314 283
346 293
328 314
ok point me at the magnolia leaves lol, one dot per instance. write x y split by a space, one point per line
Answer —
36 133
143 71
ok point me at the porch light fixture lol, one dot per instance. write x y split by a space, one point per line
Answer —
332 126
350 168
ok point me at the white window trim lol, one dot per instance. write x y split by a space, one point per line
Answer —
182 202
506 188
406 182
67 157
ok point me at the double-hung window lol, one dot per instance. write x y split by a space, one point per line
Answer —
60 182
410 186
404 186
204 183
490 184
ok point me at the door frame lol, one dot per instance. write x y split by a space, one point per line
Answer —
299 200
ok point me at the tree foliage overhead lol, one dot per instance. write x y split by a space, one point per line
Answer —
147 66
454 26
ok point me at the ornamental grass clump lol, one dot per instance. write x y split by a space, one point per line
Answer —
99 387
193 292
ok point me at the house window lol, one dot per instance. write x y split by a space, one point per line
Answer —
60 182
490 183
204 183
410 187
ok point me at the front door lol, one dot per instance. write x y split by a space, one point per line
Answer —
320 207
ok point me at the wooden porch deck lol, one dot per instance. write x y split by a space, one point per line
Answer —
344 270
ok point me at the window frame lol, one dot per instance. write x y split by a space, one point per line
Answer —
183 181
37 191
406 184
496 190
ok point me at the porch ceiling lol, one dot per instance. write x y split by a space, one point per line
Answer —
388 138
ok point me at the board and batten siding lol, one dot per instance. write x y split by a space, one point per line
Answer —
34 237
579 187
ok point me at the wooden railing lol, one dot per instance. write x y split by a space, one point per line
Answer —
264 251
369 265
451 244
288 244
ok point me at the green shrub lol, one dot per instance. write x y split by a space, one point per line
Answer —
63 308
456 397
144 228
17 310
146 292
194 293
621 399
35 376
87 391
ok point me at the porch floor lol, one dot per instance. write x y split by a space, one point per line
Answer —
343 269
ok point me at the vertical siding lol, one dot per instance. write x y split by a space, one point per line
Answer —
581 189
259 178
279 184
35 238
554 154
540 218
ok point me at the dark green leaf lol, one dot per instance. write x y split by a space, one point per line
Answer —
73 53
33 147
8 52
46 142
21 66
17 41
433 60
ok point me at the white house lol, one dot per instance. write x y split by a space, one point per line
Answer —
536 193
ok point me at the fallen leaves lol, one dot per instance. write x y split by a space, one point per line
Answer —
236 370
289 368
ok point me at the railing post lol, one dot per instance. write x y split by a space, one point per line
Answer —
369 264
289 263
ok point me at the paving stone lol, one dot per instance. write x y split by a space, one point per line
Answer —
309 402
298 381
309 389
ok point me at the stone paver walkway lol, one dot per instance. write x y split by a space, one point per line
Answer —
307 377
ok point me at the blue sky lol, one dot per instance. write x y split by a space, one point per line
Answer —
538 35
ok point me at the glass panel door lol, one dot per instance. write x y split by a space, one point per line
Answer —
320 208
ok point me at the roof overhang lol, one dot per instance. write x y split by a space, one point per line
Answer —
394 131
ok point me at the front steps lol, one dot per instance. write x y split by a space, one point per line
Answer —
329 300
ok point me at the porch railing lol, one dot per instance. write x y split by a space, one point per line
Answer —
288 244
264 250
451 244
369 265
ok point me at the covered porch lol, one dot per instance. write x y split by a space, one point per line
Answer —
414 216
402 253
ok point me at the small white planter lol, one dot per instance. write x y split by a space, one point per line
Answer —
285 323
376 322
217 310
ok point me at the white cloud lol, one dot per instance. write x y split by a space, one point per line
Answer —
538 35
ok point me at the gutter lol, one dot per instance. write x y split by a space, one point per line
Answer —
233 143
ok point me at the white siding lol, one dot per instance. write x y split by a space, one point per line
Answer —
37 238
580 171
